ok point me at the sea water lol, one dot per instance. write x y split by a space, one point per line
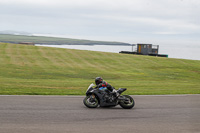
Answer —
191 52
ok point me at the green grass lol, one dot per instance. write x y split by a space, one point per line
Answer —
33 70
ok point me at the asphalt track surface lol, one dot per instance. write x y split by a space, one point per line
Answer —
67 114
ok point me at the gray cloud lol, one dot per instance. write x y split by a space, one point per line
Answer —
102 19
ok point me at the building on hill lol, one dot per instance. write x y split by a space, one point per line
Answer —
145 49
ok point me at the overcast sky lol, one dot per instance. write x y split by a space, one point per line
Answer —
131 21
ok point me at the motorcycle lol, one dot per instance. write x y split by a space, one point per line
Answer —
104 98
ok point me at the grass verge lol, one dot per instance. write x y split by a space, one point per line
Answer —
33 70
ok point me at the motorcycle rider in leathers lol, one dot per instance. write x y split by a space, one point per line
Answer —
101 84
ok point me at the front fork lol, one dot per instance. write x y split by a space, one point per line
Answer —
92 98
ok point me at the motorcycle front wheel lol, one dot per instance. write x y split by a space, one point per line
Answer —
128 103
90 101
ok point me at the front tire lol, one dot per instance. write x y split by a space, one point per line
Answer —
90 101
127 104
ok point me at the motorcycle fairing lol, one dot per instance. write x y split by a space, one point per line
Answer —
100 96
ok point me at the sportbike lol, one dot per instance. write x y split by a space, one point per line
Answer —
103 98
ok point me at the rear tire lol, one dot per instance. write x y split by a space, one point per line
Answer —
127 104
90 104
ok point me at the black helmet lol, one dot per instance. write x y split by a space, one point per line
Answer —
98 80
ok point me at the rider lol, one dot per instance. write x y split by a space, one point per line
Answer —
101 84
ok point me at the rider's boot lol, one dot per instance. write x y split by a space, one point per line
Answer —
115 92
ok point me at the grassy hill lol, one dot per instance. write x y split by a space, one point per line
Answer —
33 70
52 40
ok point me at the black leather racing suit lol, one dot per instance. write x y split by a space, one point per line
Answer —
105 84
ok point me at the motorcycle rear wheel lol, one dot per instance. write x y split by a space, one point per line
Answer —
127 104
90 102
